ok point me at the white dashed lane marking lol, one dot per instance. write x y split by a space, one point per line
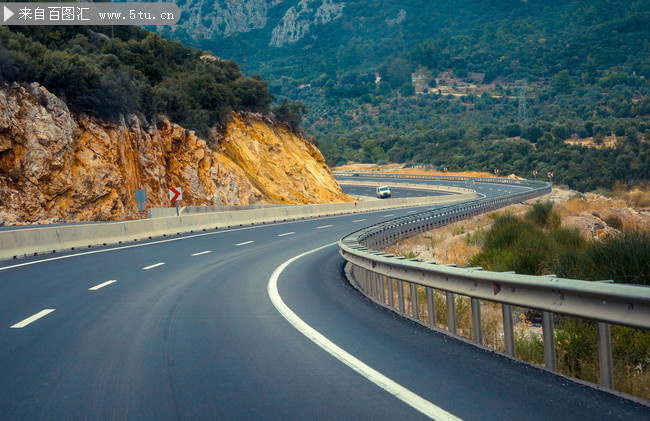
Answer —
202 252
153 266
33 318
96 287
244 243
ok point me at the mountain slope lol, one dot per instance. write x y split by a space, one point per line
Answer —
58 166
488 79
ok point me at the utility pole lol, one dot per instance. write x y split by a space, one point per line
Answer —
522 87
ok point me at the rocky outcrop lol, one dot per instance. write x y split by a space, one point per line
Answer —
298 20
290 20
56 166
225 17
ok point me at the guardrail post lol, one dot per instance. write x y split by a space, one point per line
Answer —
373 285
548 333
400 296
508 330
382 288
605 355
451 312
431 306
377 286
477 335
415 303
391 292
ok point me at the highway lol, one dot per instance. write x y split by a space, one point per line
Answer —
188 327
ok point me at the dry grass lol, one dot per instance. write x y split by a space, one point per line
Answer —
399 169
608 142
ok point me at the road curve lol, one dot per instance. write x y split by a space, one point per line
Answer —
187 330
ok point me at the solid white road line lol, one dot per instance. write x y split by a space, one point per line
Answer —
153 266
202 252
285 234
389 215
324 226
96 287
358 220
32 318
243 244
411 212
390 386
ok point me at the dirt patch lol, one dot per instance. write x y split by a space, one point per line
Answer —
399 169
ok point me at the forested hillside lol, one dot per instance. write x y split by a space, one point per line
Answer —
107 72
585 67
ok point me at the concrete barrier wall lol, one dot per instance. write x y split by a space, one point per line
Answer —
30 241
191 210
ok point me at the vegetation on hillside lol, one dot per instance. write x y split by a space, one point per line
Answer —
538 244
107 72
586 63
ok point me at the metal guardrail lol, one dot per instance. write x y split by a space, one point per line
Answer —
377 274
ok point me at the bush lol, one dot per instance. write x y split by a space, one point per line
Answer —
624 257
543 215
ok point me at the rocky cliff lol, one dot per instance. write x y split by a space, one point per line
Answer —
56 166
290 20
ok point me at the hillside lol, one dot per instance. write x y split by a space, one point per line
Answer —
439 82
58 166
90 114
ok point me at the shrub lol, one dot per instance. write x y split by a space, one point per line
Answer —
543 215
624 257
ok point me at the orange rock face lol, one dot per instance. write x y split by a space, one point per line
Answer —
56 166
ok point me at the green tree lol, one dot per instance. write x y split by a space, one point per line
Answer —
290 114
563 82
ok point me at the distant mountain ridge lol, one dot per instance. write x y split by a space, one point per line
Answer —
286 21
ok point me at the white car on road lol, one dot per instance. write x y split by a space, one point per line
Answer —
383 192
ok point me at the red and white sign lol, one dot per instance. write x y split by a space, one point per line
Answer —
550 174
535 172
445 169
175 194
496 171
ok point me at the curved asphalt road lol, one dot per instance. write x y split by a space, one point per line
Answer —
198 337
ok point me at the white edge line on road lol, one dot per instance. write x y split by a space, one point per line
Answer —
324 226
390 386
202 252
286 233
33 318
96 287
244 243
153 266
358 220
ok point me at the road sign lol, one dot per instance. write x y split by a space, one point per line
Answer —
175 194
496 171
550 174
8 14
535 172
141 207
140 196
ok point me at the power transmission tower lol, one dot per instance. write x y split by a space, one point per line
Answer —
522 87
